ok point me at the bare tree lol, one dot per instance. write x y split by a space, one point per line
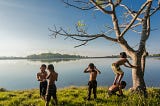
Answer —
134 19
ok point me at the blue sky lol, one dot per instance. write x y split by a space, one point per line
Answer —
24 29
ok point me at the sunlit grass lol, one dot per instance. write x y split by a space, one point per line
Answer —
76 96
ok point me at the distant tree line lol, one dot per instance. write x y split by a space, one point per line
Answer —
53 55
58 55
155 55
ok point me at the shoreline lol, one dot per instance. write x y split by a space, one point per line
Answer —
67 87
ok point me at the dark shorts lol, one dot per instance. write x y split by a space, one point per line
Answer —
51 92
110 93
116 69
43 88
92 84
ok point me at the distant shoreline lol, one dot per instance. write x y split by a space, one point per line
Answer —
25 58
58 56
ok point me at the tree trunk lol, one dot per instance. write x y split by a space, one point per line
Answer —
138 74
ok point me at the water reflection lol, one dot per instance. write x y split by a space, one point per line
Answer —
21 74
54 60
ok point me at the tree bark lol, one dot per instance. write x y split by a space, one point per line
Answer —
138 74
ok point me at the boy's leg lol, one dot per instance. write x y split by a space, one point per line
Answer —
55 95
44 88
55 100
120 78
109 93
48 98
95 89
47 103
89 90
116 78
40 89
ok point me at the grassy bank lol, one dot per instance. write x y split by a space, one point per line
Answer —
76 96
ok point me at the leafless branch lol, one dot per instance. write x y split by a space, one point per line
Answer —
109 38
133 20
155 10
117 2
146 27
100 7
139 32
82 36
132 13
133 26
81 44
81 8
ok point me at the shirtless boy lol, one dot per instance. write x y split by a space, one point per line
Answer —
41 76
117 70
114 88
51 88
92 80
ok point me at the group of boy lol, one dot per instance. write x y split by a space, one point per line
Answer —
47 88
92 83
117 85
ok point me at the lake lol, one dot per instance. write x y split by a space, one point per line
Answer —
21 74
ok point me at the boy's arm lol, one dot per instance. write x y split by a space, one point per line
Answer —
120 91
130 65
56 76
97 70
38 77
86 70
127 66
48 76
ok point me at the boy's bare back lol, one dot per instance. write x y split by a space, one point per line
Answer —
114 88
53 76
93 75
121 61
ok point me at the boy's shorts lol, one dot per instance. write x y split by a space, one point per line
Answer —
43 88
116 69
51 92
110 93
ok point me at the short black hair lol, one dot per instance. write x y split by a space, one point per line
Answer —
123 55
50 67
123 83
91 65
43 65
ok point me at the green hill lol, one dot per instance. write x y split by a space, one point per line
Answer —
52 55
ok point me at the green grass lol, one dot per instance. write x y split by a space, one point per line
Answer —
76 96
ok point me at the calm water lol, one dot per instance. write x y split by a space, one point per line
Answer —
21 74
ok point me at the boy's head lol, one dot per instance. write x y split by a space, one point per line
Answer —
91 66
123 84
43 67
123 55
50 67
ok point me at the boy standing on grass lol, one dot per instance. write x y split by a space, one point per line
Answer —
116 67
41 76
114 88
51 88
92 84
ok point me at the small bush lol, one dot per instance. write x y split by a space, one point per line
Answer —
3 89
